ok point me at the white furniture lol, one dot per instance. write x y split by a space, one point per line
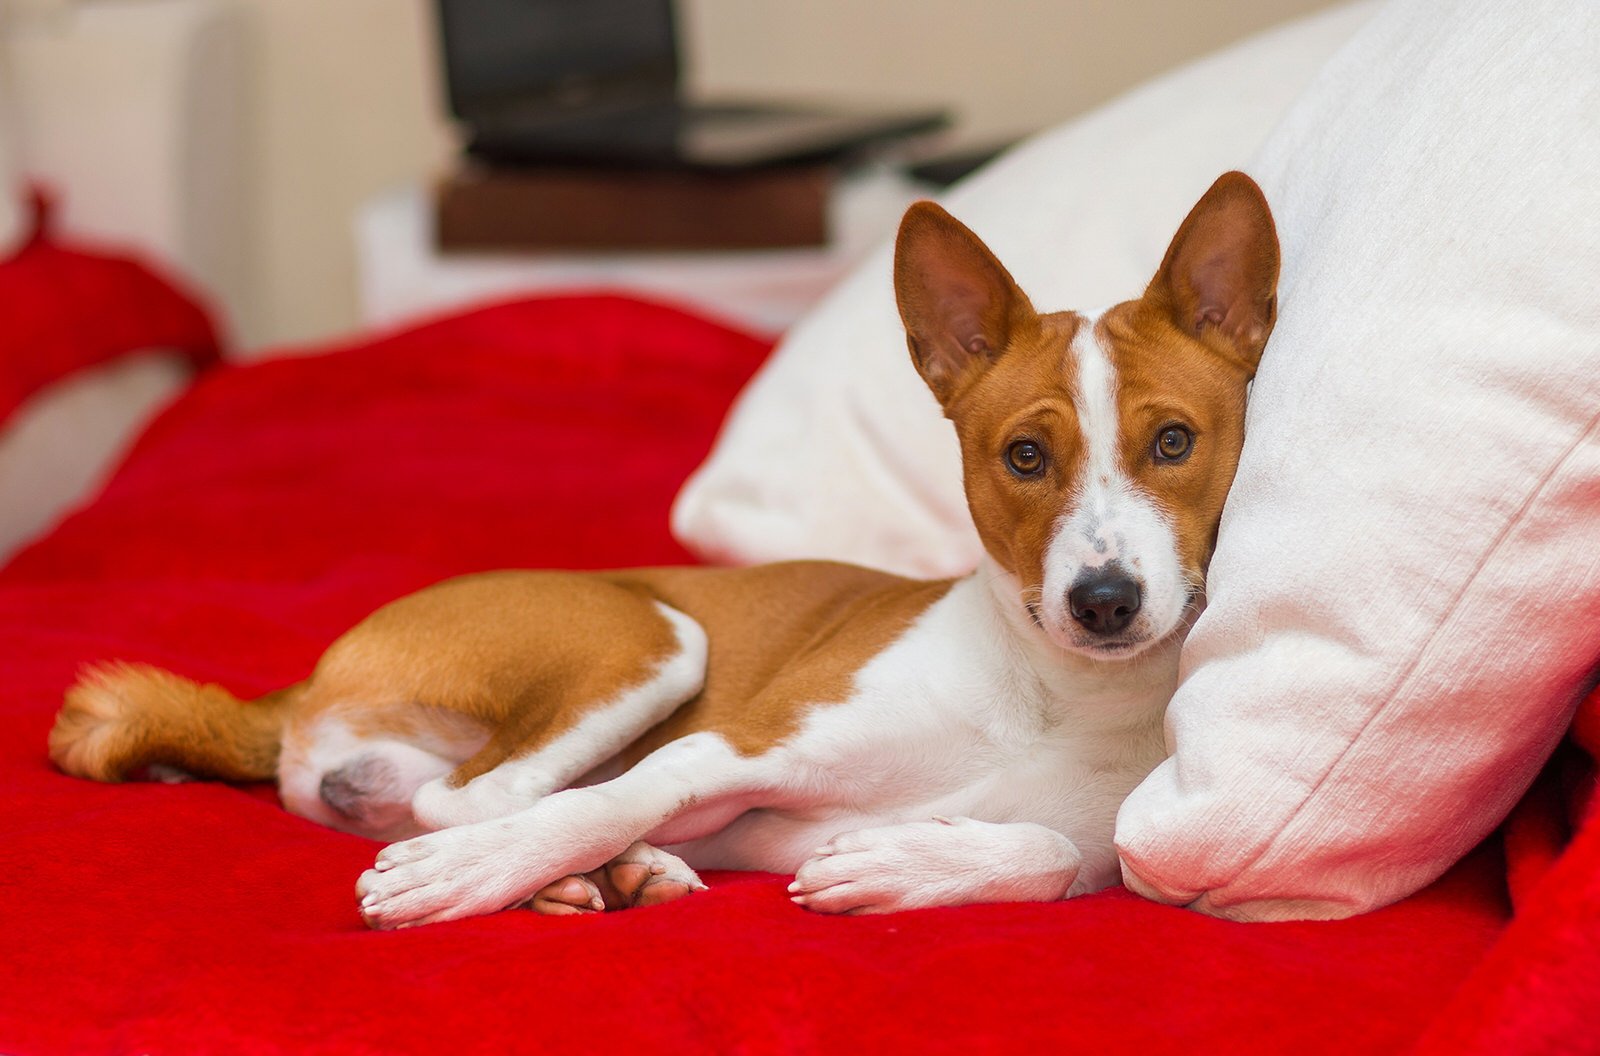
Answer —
60 446
403 275
129 111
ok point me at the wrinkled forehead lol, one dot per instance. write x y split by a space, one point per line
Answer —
1087 369
1037 373
1060 379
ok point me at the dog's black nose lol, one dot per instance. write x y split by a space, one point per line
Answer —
1104 600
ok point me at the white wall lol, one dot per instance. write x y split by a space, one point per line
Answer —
344 100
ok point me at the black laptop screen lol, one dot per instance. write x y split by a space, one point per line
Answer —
511 53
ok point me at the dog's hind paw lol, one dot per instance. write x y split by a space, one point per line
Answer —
648 876
642 875
569 896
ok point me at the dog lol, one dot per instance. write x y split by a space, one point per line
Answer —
584 742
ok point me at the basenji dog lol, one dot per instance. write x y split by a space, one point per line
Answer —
582 742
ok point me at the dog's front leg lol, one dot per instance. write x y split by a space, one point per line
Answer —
687 788
943 862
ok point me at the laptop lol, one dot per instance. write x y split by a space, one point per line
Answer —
598 81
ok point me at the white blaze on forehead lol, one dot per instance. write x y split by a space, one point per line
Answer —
1102 480
1107 517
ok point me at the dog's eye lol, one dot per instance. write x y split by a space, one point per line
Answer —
1025 458
1173 444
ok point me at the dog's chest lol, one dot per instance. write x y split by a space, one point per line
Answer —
953 719
955 713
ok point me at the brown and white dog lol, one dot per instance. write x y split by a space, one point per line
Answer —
577 742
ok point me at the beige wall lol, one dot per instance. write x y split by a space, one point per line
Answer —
342 106
1005 67
344 98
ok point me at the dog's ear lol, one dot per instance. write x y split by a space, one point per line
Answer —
1221 271
959 304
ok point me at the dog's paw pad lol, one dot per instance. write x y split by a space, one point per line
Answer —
663 891
647 876
568 896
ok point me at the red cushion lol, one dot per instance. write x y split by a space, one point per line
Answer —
65 307
277 503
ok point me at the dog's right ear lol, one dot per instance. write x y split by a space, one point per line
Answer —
959 304
1220 275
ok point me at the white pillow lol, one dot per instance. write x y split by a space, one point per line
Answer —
837 450
1405 598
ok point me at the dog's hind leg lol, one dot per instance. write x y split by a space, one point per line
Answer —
472 698
518 766
356 769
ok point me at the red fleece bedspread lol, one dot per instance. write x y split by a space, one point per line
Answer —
280 502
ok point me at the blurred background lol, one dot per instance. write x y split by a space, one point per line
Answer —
299 115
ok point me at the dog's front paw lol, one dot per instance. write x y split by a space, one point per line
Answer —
943 862
446 875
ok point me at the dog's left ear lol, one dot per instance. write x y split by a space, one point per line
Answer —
959 304
1220 274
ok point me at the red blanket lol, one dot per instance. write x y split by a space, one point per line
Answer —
66 308
278 503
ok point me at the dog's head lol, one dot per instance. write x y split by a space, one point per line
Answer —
1097 449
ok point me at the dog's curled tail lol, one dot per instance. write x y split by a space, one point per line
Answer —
119 719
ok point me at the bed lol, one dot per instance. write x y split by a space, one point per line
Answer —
275 503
